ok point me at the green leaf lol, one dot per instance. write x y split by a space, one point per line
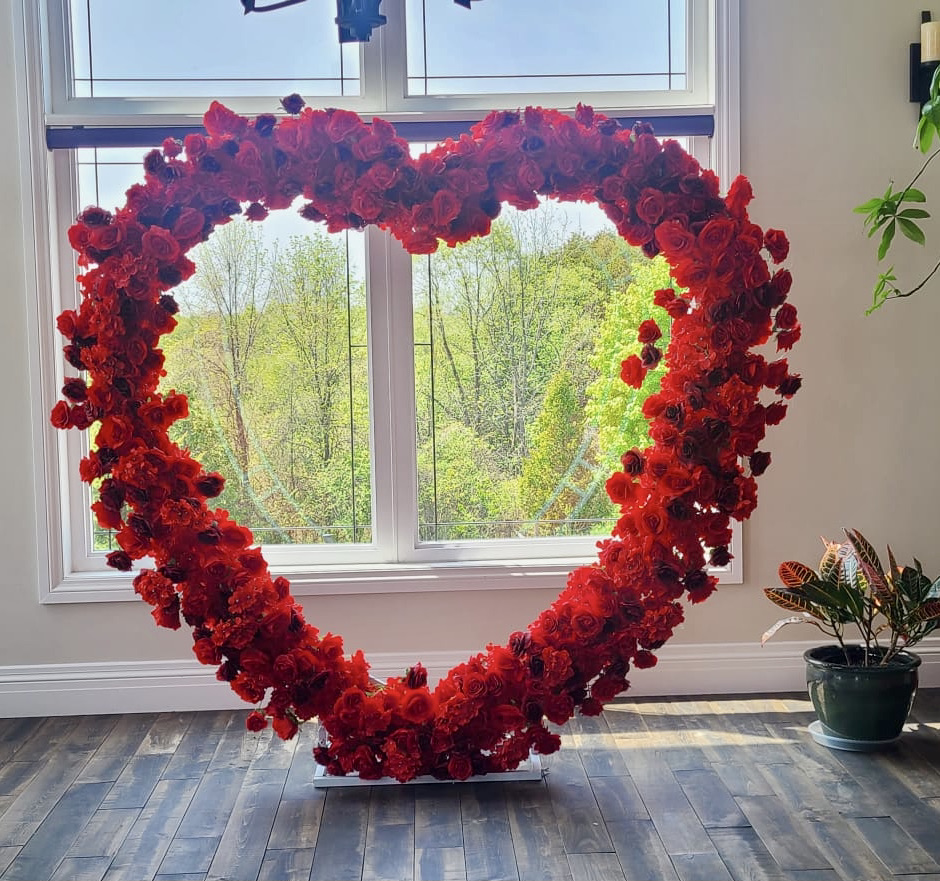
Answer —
913 195
914 212
886 238
868 206
925 132
911 230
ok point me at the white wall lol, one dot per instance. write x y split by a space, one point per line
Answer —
825 123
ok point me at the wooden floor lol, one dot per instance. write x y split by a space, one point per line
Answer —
685 789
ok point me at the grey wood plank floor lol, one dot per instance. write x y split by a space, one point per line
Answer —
684 789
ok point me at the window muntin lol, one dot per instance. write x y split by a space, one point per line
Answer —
205 50
521 47
252 61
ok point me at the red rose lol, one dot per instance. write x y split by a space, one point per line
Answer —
61 416
285 728
716 235
649 207
674 238
342 124
445 206
632 372
160 244
417 706
104 238
739 195
460 767
366 204
620 488
649 331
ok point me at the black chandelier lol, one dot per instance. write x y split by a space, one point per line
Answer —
355 19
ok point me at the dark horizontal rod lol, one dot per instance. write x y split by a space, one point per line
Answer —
71 137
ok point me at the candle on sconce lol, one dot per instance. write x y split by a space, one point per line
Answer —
929 41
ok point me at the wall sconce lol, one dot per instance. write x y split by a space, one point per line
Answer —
925 58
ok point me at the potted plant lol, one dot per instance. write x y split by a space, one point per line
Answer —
862 691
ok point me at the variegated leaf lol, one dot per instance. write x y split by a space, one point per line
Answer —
893 567
794 575
793 619
788 599
829 565
867 555
929 611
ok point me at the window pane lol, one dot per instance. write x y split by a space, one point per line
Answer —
271 351
207 48
519 337
522 46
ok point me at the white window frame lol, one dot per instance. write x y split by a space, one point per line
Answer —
67 572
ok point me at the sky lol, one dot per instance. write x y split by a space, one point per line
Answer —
210 49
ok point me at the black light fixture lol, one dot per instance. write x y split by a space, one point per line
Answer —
356 19
924 58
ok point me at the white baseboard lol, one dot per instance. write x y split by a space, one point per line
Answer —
163 686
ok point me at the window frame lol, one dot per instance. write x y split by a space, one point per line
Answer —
68 574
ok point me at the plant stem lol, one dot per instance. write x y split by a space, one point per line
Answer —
899 293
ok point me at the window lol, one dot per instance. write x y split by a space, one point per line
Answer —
455 437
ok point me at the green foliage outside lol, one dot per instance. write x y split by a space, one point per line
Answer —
521 413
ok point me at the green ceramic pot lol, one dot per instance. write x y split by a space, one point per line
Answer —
860 703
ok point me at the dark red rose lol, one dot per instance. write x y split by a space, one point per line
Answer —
643 660
787 338
119 560
790 386
632 462
786 316
416 676
777 245
650 356
75 389
293 103
775 412
256 721
759 462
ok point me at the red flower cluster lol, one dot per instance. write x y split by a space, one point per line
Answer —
677 496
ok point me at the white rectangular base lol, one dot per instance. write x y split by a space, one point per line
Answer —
530 769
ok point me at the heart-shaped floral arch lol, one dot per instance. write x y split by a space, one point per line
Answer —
677 495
